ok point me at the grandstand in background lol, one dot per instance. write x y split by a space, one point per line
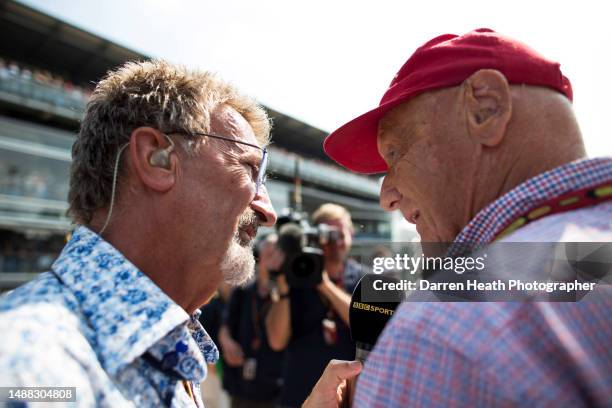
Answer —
47 72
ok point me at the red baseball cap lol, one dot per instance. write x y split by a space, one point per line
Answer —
443 62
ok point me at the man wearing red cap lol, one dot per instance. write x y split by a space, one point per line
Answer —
479 143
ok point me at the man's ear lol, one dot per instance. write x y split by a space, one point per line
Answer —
145 142
488 106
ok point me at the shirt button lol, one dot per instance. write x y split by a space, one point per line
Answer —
181 347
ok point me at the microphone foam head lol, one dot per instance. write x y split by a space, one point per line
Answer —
367 318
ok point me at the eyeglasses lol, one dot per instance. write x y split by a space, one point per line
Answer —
260 180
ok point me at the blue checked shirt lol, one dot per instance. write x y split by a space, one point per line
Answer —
97 323
537 354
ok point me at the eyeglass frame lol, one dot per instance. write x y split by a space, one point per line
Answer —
261 174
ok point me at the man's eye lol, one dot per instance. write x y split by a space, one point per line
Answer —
254 170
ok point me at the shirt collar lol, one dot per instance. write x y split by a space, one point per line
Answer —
489 221
185 351
128 312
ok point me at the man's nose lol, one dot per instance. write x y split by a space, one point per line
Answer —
262 205
389 196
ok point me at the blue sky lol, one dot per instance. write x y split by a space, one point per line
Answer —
325 62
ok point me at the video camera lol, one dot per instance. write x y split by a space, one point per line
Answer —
302 245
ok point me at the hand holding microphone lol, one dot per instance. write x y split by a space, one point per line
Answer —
369 312
331 389
368 318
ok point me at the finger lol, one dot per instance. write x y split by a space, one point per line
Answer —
235 357
329 390
231 361
236 354
339 370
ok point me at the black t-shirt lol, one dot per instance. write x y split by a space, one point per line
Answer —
212 316
245 318
307 353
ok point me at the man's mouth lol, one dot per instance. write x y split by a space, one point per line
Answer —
413 216
248 223
247 233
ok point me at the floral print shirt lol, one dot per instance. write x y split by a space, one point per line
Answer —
97 323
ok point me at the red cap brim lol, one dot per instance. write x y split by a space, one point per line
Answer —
354 144
360 134
442 62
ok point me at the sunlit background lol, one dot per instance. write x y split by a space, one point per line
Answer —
324 62
314 65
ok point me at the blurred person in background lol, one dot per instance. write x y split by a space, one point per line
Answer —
211 319
166 189
253 370
312 324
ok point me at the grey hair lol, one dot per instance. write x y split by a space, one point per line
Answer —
150 93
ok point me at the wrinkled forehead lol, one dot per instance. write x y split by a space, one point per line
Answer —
228 122
401 120
390 126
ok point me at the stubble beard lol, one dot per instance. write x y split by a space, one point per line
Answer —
238 263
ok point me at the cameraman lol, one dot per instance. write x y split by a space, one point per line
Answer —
312 323
253 373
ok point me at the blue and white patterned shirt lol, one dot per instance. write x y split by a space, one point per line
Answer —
97 323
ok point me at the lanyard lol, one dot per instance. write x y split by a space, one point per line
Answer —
572 200
257 316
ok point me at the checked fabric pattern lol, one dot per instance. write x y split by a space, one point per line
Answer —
537 354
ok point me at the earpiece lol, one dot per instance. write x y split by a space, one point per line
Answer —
161 157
